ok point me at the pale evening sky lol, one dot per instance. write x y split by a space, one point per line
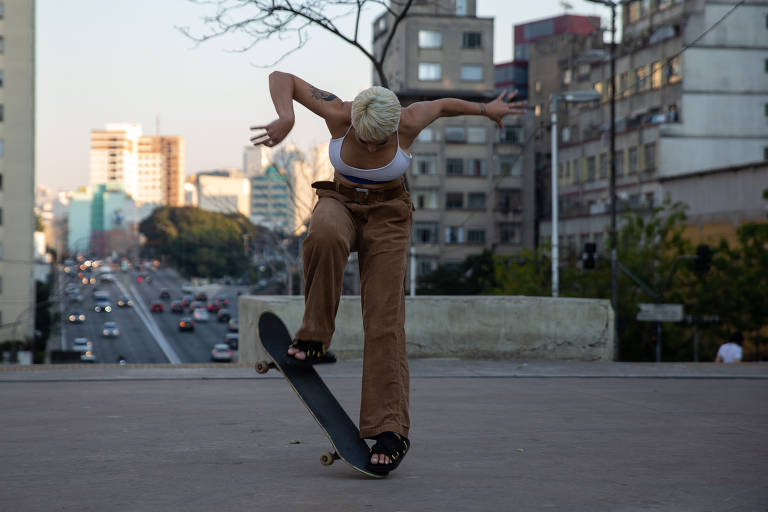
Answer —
102 61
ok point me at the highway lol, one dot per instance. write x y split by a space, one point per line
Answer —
147 337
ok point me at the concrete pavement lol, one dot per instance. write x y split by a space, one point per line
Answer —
487 435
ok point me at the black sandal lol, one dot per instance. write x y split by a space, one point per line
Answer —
315 351
388 445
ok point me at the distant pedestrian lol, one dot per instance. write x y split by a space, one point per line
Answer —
731 352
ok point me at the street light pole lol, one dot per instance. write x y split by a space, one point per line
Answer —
567 97
554 234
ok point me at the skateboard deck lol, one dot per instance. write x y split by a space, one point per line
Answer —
316 397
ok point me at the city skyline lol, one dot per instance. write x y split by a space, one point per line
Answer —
155 79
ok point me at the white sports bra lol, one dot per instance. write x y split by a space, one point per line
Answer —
389 172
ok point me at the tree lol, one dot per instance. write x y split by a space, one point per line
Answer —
262 20
198 242
472 277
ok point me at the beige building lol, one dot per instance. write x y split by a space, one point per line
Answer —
224 191
467 177
150 168
17 169
680 110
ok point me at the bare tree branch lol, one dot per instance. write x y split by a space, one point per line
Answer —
262 20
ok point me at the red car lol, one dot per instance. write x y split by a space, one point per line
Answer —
156 307
213 307
177 307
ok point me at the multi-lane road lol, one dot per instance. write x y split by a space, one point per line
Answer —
145 337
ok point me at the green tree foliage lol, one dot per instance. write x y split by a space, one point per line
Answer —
198 242
651 246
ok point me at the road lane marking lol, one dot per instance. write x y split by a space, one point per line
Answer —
149 322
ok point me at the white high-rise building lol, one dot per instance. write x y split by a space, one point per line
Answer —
115 156
17 169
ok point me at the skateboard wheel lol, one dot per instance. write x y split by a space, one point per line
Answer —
327 458
262 367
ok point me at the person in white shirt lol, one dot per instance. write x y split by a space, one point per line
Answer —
730 352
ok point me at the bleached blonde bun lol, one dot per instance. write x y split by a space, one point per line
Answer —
375 113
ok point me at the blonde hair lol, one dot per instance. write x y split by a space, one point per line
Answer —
375 113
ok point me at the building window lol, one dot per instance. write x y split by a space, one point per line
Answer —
471 73
455 134
508 233
2 45
476 236
2 147
426 266
454 235
430 39
476 200
425 199
454 167
425 165
649 151
425 232
604 165
2 77
426 135
2 113
632 160
508 200
675 70
649 199
619 162
472 40
591 168
476 134
2 10
643 78
461 7
454 200
567 76
430 71
476 167
510 135
765 153
656 75
509 165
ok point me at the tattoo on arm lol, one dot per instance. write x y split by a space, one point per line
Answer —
482 108
322 95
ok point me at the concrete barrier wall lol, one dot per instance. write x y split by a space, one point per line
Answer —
480 327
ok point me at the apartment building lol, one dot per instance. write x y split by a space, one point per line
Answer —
467 177
17 169
688 101
150 168
225 191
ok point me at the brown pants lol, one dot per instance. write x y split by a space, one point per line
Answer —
379 231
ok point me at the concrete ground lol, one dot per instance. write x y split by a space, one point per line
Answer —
486 435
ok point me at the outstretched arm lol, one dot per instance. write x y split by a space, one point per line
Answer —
284 88
423 113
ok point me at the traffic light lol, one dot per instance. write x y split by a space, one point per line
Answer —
588 257
703 261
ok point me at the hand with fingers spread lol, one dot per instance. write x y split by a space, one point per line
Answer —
273 133
501 106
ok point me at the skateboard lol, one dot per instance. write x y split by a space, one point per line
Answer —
316 397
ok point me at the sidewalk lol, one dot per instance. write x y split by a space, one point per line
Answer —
486 435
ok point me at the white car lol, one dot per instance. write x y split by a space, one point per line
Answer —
221 352
200 315
82 345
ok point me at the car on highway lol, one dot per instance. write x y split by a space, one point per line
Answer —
87 357
102 306
107 277
221 301
232 339
201 296
76 317
110 330
186 324
186 289
186 300
224 315
124 302
213 307
156 307
165 294
82 344
177 307
221 353
233 325
200 315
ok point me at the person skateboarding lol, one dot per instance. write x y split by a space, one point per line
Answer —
366 208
